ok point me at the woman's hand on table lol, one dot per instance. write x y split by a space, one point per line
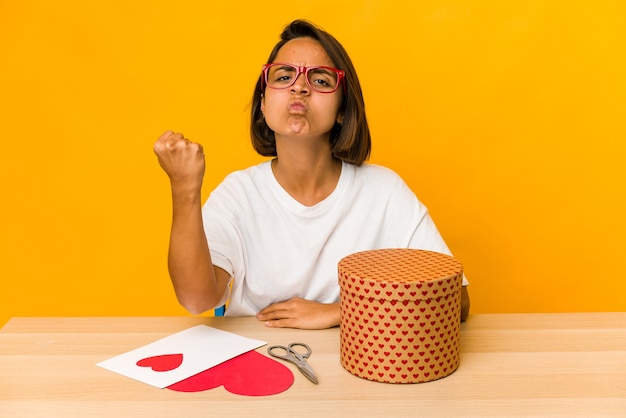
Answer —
300 313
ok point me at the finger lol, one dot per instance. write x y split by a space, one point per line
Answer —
165 135
160 143
281 323
167 140
274 308
267 309
174 139
272 315
194 146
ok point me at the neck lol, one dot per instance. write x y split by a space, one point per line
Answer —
309 177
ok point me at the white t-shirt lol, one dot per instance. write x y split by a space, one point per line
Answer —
275 248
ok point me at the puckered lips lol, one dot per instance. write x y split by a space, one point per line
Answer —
297 107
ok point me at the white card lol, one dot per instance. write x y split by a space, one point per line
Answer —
179 356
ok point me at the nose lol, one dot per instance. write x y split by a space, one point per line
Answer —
300 85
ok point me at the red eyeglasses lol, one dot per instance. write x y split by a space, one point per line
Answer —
322 79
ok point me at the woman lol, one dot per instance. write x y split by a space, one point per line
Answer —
269 237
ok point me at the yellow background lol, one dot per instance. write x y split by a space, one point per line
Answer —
505 117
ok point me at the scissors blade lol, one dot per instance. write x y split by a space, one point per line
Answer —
308 372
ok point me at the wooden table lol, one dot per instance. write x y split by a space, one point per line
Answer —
539 365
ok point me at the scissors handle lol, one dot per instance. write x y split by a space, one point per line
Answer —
289 352
306 347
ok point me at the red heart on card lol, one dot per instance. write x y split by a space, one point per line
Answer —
250 374
162 363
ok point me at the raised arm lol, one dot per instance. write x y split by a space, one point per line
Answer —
199 285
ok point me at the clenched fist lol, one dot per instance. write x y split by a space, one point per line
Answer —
181 159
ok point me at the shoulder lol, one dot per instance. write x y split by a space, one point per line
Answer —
241 186
246 177
383 183
377 174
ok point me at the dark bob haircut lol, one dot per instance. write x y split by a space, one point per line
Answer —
350 141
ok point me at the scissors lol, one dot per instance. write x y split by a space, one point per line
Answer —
299 359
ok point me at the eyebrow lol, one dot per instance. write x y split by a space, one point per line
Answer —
323 70
285 67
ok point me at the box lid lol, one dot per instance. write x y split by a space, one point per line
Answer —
400 274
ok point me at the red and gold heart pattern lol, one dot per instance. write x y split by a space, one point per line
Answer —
400 315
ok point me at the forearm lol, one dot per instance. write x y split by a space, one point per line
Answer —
191 269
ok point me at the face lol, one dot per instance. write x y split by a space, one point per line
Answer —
299 111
